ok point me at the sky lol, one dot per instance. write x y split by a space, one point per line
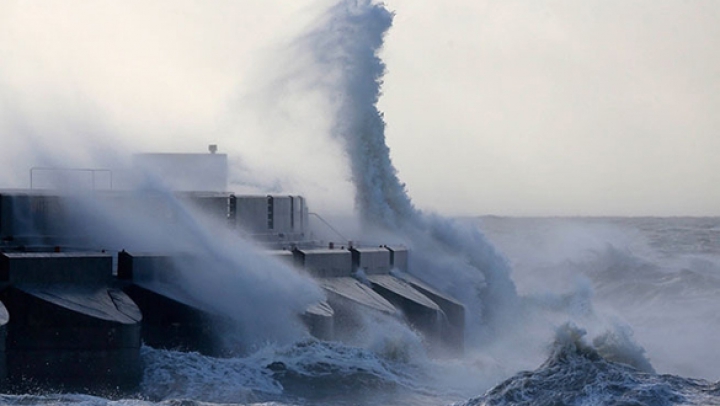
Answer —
543 107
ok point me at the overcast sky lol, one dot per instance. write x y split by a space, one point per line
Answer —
540 107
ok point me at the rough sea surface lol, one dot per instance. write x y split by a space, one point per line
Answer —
612 311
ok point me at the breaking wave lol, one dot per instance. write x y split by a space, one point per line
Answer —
580 373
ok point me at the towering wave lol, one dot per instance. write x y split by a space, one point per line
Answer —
346 47
460 261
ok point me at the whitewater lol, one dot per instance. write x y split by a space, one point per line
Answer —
613 311
576 311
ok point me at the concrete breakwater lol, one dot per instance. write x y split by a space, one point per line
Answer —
74 316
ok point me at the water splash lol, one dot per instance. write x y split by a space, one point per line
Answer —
580 373
457 260
346 50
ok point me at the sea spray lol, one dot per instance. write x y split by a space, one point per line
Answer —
450 255
457 260
214 265
345 48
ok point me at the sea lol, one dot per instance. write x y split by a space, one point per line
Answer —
559 311
609 311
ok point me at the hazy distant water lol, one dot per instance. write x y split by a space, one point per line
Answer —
614 311
659 275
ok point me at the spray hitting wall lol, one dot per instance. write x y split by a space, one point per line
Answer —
343 50
460 261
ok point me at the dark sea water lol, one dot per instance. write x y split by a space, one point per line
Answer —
619 311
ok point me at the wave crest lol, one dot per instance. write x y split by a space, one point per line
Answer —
580 373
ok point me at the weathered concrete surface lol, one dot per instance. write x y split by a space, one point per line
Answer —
402 290
420 311
31 213
398 257
51 326
371 261
148 268
325 263
353 302
252 214
319 318
453 330
62 308
56 268
172 324
358 293
97 303
172 318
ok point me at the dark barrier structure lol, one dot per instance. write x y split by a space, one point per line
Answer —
420 311
68 323
68 329
319 318
452 333
4 319
172 319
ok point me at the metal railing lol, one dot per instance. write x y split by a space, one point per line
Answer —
92 171
328 225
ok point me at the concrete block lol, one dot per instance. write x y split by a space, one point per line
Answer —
420 311
170 323
49 268
350 289
454 335
371 261
30 213
319 319
282 214
252 214
398 257
144 267
55 317
324 263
